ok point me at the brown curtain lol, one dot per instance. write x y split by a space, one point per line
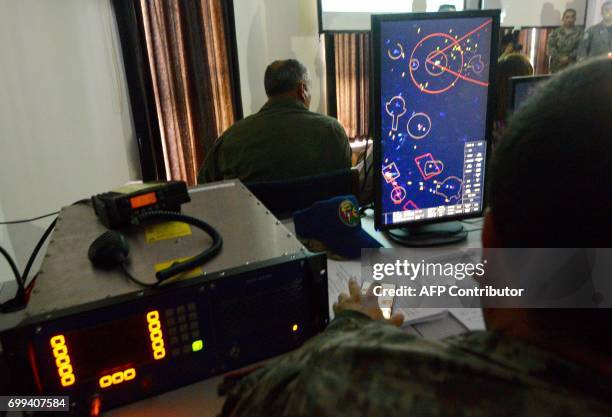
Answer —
189 57
352 63
540 59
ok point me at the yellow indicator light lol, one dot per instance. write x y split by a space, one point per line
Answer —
152 316
129 374
156 335
67 380
295 328
159 354
117 378
58 340
62 360
106 381
197 345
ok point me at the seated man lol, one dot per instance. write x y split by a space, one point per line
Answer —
530 362
284 139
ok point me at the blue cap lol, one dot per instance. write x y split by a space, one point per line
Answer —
335 223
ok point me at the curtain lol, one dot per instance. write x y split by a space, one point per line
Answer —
190 63
534 46
352 70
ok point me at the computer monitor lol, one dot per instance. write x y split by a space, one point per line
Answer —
432 119
521 88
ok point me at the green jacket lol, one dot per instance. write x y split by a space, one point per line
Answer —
283 140
360 367
596 41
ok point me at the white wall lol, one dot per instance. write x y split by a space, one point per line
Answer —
594 12
65 123
519 13
267 30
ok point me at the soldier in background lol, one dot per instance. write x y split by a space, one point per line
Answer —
597 39
563 42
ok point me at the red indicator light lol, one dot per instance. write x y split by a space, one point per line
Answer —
96 405
143 200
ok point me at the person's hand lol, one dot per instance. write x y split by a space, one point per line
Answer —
366 304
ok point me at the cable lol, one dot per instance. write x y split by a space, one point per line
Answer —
32 258
206 255
11 262
30 220
131 277
18 301
13 304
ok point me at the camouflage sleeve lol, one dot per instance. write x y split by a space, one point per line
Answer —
261 392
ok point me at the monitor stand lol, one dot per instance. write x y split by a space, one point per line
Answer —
429 234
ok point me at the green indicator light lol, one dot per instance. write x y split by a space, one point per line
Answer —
197 345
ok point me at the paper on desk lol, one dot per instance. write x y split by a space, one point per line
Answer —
338 275
470 317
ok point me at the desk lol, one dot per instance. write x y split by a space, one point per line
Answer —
201 400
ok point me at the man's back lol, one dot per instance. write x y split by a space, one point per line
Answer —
283 140
360 367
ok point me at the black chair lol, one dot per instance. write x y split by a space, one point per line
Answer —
283 197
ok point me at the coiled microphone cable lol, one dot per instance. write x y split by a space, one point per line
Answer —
197 260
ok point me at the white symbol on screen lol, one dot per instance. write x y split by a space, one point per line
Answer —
476 64
419 126
397 52
436 63
396 108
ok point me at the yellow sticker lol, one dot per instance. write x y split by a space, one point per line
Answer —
192 273
168 230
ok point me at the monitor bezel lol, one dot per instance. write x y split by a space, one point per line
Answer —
522 79
376 108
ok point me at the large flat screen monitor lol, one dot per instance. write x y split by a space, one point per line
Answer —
433 114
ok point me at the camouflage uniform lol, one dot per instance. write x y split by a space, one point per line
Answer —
360 367
562 42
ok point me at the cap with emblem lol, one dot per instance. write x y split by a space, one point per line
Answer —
336 224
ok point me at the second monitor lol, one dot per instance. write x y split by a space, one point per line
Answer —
522 88
432 121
